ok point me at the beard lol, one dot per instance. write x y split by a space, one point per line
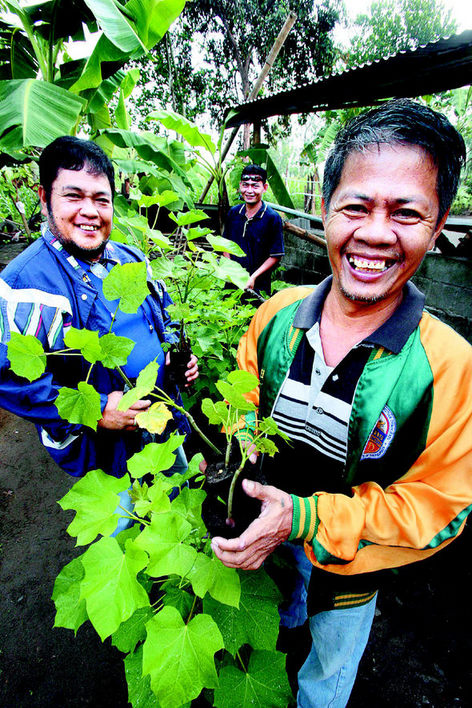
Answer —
83 254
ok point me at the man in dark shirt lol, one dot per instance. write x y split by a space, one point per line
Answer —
257 229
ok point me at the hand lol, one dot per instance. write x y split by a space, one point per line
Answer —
192 370
112 419
271 528
251 283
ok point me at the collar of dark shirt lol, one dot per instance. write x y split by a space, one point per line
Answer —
392 335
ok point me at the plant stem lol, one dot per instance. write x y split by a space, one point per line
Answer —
231 490
130 515
191 610
241 661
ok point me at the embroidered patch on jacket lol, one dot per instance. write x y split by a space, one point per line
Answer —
381 436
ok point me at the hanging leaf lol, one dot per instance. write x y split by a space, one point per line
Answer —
85 341
115 350
234 396
154 457
189 217
155 418
39 110
224 245
139 686
128 283
81 405
210 575
176 596
71 612
163 541
182 126
110 587
145 384
94 498
265 683
132 631
26 355
256 622
180 657
217 413
115 26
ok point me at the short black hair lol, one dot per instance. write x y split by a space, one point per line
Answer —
71 153
250 170
401 122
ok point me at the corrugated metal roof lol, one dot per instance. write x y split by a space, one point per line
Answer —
437 66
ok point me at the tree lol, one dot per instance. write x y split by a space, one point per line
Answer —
235 38
396 25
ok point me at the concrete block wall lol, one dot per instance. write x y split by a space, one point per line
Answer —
446 281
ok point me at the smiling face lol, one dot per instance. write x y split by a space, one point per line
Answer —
382 219
252 188
80 212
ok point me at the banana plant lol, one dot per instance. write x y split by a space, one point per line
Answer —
44 92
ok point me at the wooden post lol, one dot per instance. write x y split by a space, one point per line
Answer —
273 54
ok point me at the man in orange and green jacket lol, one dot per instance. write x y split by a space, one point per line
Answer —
374 393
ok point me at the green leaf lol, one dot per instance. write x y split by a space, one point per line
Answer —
145 384
264 684
189 504
110 587
26 355
94 498
176 596
224 245
132 631
115 350
85 341
233 395
182 126
128 283
139 686
115 26
210 575
266 446
243 381
180 657
197 232
39 110
228 270
155 418
189 217
163 541
215 412
154 457
81 405
145 149
257 620
163 199
150 499
70 609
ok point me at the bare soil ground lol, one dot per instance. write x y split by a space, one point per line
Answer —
419 653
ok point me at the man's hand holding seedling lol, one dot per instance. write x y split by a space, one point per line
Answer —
271 528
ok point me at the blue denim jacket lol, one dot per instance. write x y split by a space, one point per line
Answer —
43 292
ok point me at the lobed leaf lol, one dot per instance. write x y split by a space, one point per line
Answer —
210 575
256 622
26 355
128 284
81 405
163 540
71 612
189 217
154 457
155 418
110 587
265 683
86 341
115 350
224 245
180 657
94 498
132 631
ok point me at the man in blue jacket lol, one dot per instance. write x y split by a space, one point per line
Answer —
56 283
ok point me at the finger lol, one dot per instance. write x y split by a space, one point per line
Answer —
227 544
202 466
139 405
